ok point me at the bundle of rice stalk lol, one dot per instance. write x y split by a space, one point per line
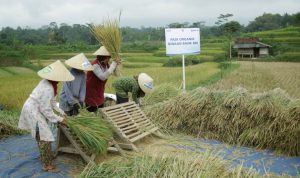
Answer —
161 93
109 35
93 132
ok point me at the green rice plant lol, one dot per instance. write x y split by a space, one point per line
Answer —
148 59
135 65
8 123
4 73
19 70
161 93
92 131
12 96
262 120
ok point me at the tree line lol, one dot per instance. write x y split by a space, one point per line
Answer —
63 33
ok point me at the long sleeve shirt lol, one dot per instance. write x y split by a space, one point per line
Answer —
123 85
38 111
95 83
73 91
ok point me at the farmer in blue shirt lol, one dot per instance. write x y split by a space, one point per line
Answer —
73 93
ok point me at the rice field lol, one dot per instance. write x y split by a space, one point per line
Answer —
14 96
198 113
15 89
264 76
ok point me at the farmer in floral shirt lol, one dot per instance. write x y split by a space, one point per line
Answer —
137 86
73 92
37 112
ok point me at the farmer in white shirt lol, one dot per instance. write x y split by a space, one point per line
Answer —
73 92
38 112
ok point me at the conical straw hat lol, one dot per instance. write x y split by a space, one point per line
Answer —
102 51
145 82
80 62
56 72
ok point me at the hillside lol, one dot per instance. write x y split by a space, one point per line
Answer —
285 43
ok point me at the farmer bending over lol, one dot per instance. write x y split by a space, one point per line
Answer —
37 112
137 86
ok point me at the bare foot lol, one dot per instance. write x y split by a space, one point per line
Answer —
51 168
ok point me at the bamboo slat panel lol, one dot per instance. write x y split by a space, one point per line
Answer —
129 121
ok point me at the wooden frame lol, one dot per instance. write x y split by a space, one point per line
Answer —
129 123
68 143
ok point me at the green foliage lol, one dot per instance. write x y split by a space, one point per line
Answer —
8 123
269 21
285 42
148 59
141 46
176 61
135 65
159 53
12 55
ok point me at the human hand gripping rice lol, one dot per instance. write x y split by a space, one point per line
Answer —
109 35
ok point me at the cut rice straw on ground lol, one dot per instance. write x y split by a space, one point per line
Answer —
265 120
166 166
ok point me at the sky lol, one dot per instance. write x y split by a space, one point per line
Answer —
136 13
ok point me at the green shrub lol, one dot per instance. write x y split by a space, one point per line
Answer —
176 61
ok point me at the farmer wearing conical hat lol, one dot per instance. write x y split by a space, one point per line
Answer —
96 79
73 92
137 86
37 111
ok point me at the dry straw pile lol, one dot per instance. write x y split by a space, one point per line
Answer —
165 166
161 93
267 120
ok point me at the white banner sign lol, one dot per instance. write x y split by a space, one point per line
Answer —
182 41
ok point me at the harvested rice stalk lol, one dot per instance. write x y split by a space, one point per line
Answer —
165 166
8 124
267 120
93 132
161 93
109 35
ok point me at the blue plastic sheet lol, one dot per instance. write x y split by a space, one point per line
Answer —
19 157
261 160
